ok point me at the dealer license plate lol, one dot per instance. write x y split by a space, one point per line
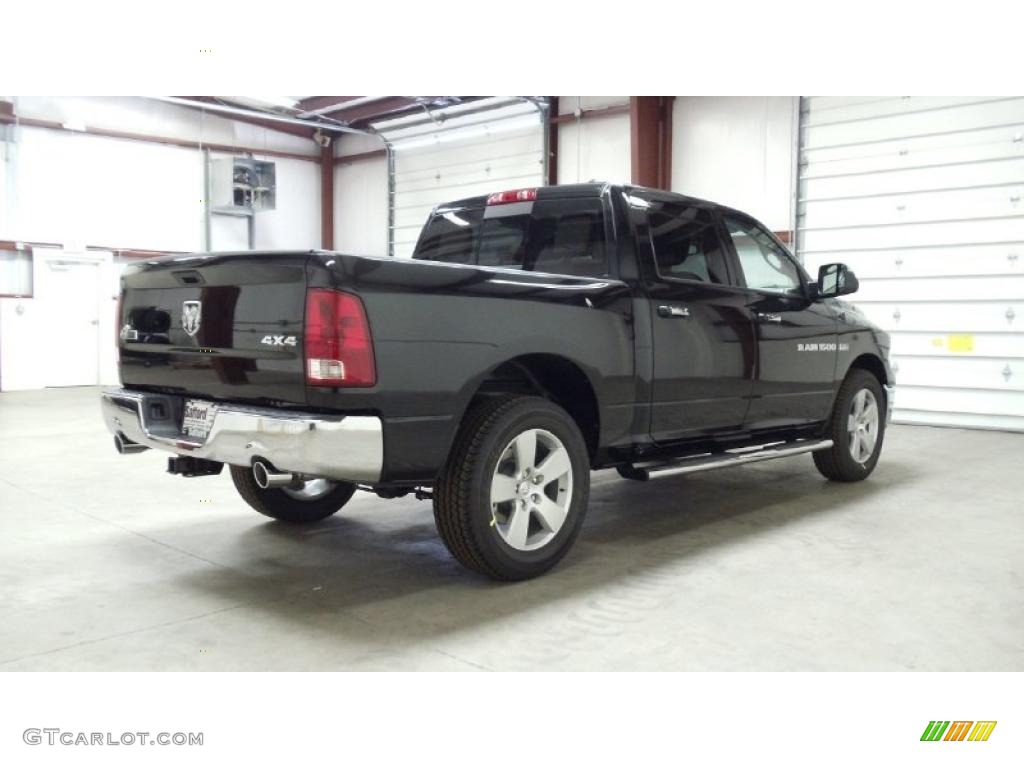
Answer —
198 418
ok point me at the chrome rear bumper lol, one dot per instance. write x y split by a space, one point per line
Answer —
336 447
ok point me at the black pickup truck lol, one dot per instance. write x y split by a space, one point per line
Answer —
535 335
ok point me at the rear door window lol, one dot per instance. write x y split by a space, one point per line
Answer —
563 237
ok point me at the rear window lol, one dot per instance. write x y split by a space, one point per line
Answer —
563 237
450 236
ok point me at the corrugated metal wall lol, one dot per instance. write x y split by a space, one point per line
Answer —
922 198
472 149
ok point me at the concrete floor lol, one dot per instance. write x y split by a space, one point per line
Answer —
108 563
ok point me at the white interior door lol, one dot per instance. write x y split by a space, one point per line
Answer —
69 295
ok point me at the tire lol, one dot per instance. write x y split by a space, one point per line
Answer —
525 535
290 507
849 460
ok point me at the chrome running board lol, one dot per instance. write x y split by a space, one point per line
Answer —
731 458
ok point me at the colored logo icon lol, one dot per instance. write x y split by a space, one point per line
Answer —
958 730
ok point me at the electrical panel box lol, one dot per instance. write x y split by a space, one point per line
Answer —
242 185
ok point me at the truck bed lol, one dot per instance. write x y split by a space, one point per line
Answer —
438 330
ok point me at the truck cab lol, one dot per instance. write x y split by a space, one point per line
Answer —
731 338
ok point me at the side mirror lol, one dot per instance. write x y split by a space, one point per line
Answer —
835 280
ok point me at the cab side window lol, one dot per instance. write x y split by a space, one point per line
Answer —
766 267
686 246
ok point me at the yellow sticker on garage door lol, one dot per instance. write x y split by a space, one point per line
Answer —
960 342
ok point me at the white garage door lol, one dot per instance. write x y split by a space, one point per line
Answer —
470 149
922 198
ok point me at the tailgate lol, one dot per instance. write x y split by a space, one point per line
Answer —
222 326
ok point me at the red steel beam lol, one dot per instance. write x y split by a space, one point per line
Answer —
351 114
644 140
371 111
378 108
327 197
651 141
319 102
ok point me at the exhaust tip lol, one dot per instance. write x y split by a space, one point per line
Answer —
269 476
124 446
261 474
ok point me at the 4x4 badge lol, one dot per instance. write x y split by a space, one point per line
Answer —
190 316
279 341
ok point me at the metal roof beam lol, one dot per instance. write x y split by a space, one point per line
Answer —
255 114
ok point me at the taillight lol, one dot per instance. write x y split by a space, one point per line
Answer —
512 196
339 350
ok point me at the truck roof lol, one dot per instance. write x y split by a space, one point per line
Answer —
588 189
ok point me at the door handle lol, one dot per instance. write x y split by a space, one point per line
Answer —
769 317
667 310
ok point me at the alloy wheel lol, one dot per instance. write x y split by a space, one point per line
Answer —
862 425
531 490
